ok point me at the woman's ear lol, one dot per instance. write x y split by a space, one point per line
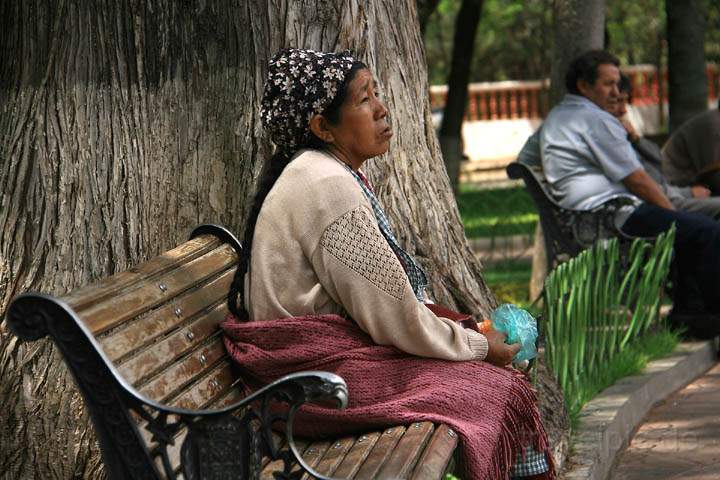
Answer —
320 128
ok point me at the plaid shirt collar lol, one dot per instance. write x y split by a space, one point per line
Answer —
415 274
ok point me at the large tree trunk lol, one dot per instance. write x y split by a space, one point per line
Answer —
579 27
124 125
687 81
466 24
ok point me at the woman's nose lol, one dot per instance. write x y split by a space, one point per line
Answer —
381 110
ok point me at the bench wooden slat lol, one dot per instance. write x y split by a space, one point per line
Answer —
354 459
314 453
437 455
142 331
381 451
277 465
406 453
281 443
165 353
152 292
93 293
212 386
233 395
172 379
333 456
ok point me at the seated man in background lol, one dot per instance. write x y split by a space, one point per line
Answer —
692 154
694 198
587 160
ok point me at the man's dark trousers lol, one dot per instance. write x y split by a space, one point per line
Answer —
697 248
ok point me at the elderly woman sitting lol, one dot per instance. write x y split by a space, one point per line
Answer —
323 284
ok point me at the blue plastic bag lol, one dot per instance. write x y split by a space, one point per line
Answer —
519 326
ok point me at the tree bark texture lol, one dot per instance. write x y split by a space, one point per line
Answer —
579 27
466 24
687 81
123 124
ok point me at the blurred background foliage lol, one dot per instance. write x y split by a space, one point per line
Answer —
514 40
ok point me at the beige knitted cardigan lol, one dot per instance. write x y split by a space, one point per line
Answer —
317 249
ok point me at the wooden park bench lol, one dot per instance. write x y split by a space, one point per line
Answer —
567 232
165 399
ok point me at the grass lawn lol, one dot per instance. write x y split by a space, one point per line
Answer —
500 212
509 281
631 361
496 212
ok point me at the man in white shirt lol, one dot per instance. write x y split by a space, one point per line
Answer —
587 160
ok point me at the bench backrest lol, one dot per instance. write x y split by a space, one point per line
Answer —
158 323
566 232
559 241
150 332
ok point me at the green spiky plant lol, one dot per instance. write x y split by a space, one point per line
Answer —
594 309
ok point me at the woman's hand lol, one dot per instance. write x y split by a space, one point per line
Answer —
499 353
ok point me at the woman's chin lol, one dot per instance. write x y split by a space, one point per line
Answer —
384 147
381 148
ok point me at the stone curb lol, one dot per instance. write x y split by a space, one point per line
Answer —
608 422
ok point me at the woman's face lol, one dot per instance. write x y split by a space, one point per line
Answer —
363 131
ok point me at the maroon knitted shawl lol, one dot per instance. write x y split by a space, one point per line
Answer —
492 409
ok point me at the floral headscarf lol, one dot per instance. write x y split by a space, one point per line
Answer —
300 84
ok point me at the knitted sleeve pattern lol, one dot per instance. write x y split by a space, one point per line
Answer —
355 242
359 270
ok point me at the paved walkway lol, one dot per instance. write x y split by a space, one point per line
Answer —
680 437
